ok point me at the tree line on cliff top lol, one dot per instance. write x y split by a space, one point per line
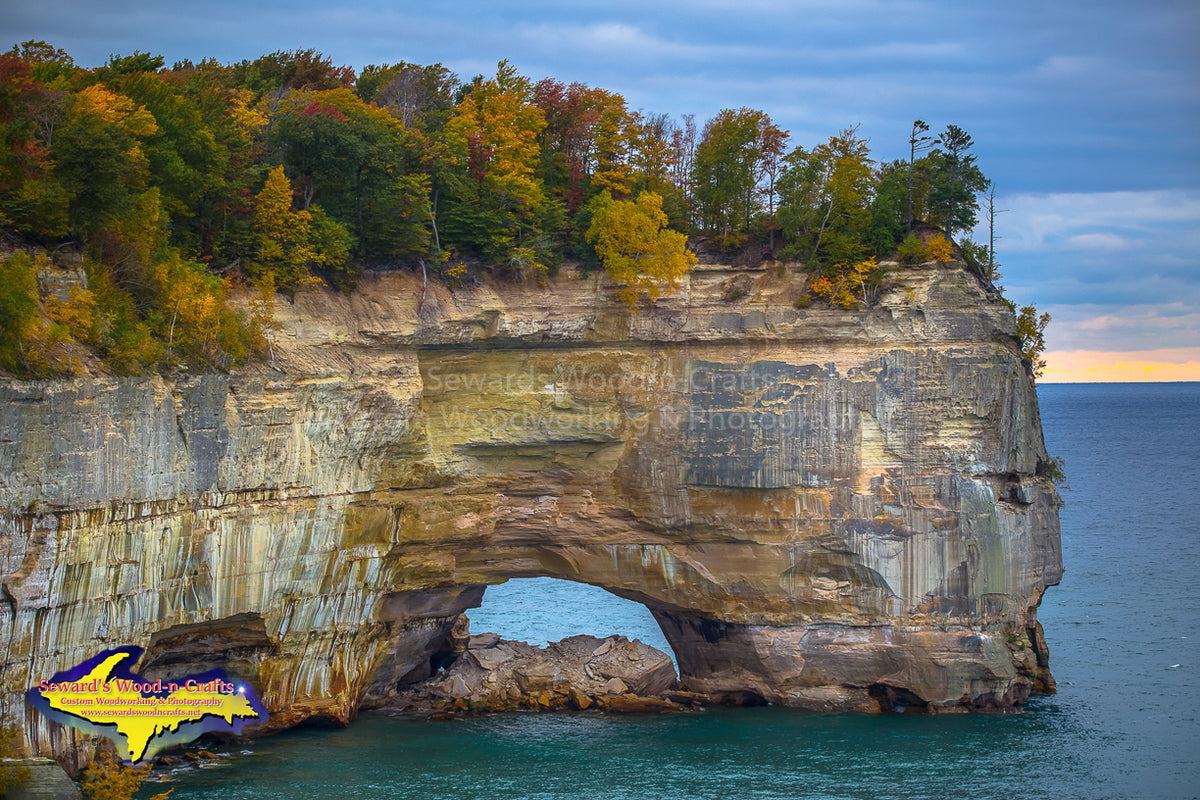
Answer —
180 184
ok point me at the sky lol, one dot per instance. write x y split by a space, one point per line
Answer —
1083 112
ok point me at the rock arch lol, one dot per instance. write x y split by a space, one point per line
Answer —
821 508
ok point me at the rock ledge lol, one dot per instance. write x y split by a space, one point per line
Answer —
578 673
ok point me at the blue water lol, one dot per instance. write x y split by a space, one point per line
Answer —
1123 725
540 610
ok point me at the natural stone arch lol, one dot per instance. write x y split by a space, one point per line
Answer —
821 507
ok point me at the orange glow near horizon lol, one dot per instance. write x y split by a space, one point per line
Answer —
1136 366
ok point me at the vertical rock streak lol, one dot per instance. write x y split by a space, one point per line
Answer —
822 508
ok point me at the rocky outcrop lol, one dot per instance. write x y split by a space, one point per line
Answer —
823 508
580 673
37 779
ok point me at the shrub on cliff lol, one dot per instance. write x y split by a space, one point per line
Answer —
10 738
939 249
36 339
137 317
1031 330
106 779
912 250
847 286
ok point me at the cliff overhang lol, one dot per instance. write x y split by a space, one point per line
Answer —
822 508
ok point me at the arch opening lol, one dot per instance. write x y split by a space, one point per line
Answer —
541 610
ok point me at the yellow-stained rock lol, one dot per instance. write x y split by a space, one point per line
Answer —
834 509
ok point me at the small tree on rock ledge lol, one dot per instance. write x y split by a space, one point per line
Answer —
1031 329
635 246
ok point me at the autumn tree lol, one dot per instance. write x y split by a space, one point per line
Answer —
492 142
40 337
610 156
824 196
636 248
30 199
121 334
360 166
653 153
283 235
497 124
846 286
655 165
197 156
589 143
772 144
198 327
316 143
939 249
565 139
18 312
106 779
727 168
100 157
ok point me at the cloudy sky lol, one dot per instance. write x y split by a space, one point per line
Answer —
1084 112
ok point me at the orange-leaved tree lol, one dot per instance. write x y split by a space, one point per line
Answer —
492 190
495 130
846 287
106 779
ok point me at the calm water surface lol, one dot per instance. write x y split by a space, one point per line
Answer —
1121 628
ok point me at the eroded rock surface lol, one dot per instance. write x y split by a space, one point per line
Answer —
580 672
824 508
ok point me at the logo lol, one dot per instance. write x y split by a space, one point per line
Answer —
102 696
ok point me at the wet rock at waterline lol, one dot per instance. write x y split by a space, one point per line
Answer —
827 508
580 673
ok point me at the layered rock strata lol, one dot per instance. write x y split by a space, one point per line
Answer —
580 673
822 508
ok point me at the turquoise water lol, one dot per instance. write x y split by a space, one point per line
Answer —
1121 629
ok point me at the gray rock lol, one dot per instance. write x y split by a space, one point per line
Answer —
483 641
822 508
46 781
492 657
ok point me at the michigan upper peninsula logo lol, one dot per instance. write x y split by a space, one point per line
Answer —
102 696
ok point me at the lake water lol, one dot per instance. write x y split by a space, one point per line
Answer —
1121 628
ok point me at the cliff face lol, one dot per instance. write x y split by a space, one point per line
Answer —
824 508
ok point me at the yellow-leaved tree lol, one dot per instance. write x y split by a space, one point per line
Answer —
495 130
107 779
635 246
1031 330
282 235
939 249
198 325
845 286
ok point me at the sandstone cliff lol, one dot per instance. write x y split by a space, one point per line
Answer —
824 508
